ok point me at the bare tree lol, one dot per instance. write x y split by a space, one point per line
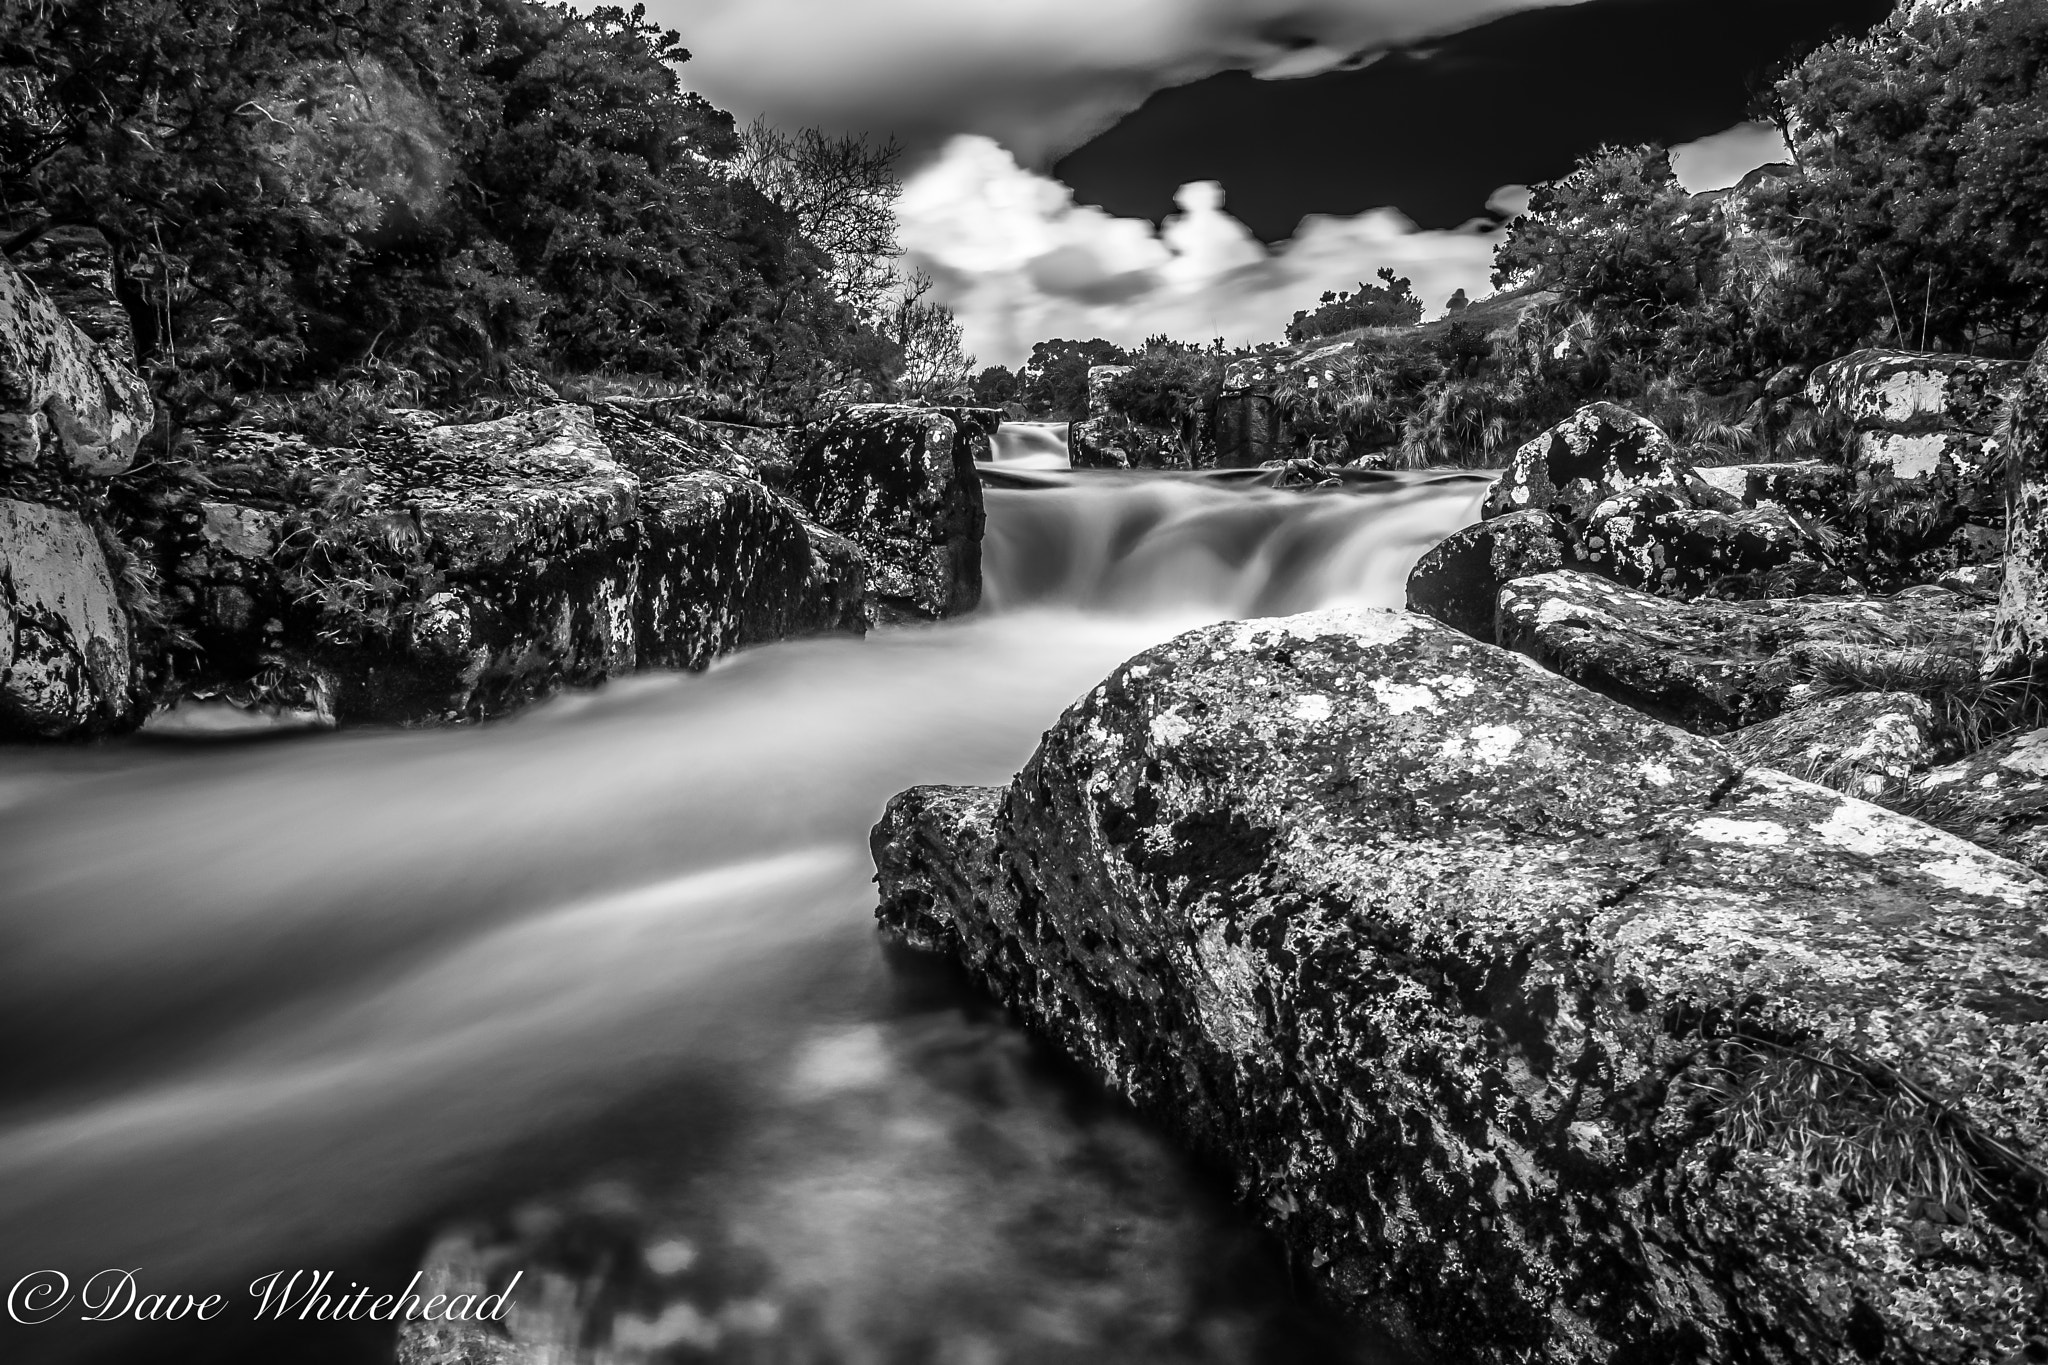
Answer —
843 191
933 363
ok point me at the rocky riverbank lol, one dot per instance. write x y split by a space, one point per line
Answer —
427 569
1511 962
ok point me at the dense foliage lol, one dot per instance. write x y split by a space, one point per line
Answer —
1170 385
1922 210
426 190
1390 303
1055 379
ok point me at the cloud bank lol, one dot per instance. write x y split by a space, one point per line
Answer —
1039 76
1715 163
1019 261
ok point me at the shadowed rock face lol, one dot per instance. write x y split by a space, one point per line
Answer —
900 484
1486 989
2021 644
1459 581
63 396
65 667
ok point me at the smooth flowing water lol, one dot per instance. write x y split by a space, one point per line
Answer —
297 1003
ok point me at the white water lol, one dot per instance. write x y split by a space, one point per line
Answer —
278 1005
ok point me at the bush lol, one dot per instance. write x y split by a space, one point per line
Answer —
1390 303
1056 376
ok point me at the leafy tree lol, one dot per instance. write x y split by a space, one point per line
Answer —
428 188
1056 376
843 191
1390 303
996 386
1922 207
928 336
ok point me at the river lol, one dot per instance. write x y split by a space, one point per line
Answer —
611 964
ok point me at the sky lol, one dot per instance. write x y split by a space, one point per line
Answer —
1205 168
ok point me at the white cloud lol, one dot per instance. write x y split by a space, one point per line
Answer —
1715 163
1019 261
1040 76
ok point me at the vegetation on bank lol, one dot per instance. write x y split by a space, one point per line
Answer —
1915 217
355 204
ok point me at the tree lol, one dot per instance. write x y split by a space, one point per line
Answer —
1056 376
843 191
1458 303
1922 207
929 337
1390 303
996 386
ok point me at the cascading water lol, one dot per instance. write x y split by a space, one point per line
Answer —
295 1004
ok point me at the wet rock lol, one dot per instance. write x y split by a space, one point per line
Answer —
65 663
1459 582
1713 666
1867 744
1997 798
1490 994
62 393
1600 453
1098 443
726 563
900 483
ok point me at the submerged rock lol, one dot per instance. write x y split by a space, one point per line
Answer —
1714 666
65 662
900 483
1528 1023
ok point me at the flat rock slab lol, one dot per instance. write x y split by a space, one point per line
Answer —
65 666
1493 994
1714 666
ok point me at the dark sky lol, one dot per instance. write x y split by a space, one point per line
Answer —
1434 132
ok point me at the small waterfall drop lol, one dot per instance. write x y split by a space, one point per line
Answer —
297 1003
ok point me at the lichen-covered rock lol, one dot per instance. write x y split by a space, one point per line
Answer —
1894 391
65 664
726 563
74 266
1600 453
1867 744
1531 1026
1996 798
1459 581
1713 666
1098 443
900 483
1652 540
2020 644
62 394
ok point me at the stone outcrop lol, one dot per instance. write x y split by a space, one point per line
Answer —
66 400
1996 798
900 483
1867 744
1536 1029
1459 581
450 572
1598 454
1713 666
1249 427
65 660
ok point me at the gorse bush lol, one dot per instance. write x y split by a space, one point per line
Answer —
1390 303
299 192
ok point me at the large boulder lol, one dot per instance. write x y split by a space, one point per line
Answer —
900 483
1536 1029
1458 582
1717 666
1598 454
1909 394
448 572
66 401
65 662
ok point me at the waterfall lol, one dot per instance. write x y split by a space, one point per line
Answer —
292 1004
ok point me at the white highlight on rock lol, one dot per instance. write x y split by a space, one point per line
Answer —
2029 755
1717 829
1493 743
1402 698
1313 709
1169 728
